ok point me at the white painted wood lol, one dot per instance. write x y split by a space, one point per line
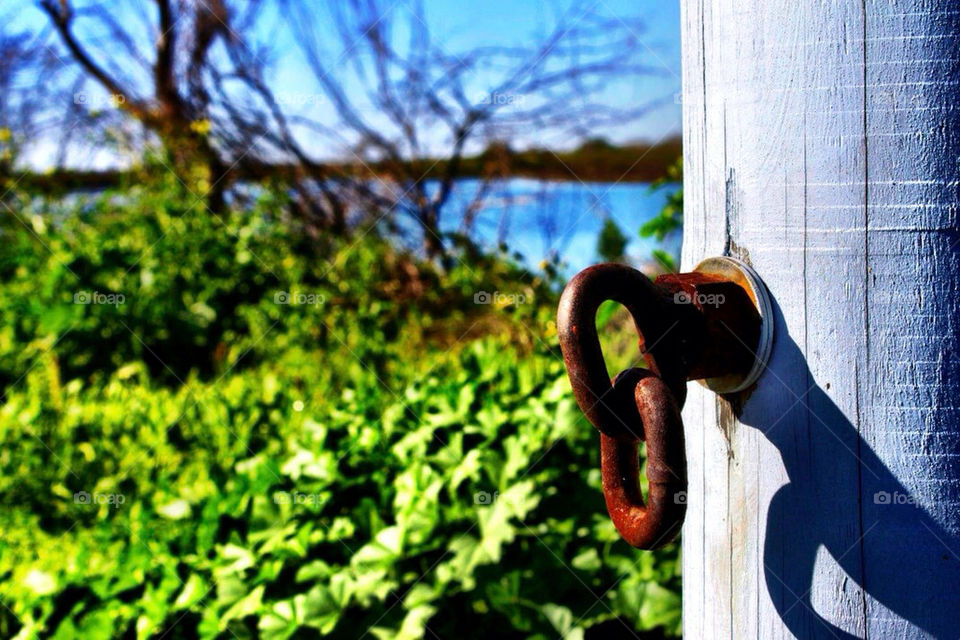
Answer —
822 145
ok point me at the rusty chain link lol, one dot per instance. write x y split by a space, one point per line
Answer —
655 523
681 339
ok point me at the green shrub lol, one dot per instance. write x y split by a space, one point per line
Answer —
669 220
203 461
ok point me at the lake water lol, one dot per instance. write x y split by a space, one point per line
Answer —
539 218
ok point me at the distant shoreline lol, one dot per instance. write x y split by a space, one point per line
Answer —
594 161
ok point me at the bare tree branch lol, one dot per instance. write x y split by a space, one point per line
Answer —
396 114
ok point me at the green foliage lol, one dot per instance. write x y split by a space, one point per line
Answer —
670 219
196 292
203 460
611 242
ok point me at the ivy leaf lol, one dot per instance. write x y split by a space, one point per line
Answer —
246 606
193 591
383 550
176 510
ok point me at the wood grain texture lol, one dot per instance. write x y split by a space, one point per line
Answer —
822 146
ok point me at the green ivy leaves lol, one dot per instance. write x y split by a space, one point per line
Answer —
373 467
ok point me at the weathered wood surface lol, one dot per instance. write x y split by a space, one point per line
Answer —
822 145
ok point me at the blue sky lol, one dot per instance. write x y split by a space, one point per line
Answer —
520 21
458 25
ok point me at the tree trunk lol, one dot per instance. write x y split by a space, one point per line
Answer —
432 243
195 162
821 146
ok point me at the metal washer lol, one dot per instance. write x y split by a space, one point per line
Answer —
742 274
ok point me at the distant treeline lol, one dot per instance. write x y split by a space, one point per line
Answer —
594 161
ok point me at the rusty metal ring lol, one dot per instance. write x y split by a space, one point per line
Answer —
713 324
655 523
650 307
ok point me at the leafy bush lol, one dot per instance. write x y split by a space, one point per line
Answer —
203 460
197 293
611 242
670 219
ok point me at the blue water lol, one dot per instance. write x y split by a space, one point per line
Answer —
541 219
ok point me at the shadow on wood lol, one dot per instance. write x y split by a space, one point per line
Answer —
900 557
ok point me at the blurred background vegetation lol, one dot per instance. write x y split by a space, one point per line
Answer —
277 350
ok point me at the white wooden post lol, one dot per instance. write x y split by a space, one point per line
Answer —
821 145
